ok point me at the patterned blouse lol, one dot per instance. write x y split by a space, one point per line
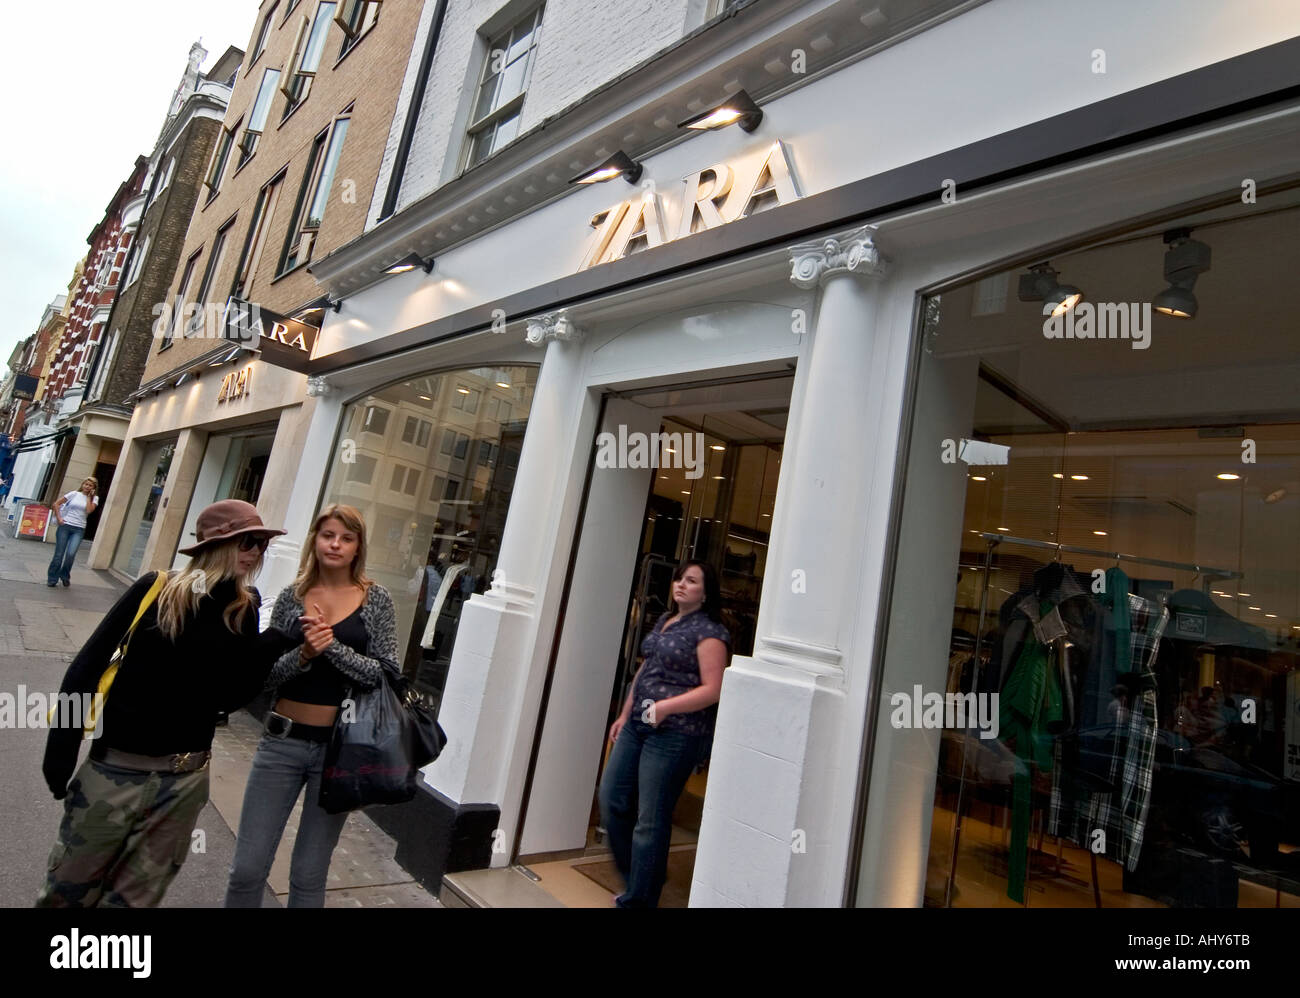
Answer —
672 667
380 620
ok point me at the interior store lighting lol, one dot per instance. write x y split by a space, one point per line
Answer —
1041 285
1185 261
1228 476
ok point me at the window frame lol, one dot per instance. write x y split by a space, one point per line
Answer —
263 32
488 124
318 169
220 160
252 136
259 230
365 420
215 259
137 261
355 20
296 79
178 303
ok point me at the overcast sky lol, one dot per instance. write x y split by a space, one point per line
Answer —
89 85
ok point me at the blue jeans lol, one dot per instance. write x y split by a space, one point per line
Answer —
280 768
66 541
645 775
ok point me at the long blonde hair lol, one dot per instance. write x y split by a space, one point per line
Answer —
213 564
309 566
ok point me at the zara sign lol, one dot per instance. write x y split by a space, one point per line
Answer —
707 199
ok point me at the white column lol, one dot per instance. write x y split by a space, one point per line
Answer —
765 837
289 496
494 681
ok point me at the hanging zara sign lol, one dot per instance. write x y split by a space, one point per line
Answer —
283 342
708 198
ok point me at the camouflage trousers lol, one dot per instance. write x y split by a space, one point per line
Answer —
123 838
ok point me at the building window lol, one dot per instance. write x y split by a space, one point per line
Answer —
304 59
259 46
375 421
220 156
182 297
356 18
416 431
362 470
168 169
499 100
405 480
137 261
214 265
263 212
257 117
314 195
465 399
107 354
433 519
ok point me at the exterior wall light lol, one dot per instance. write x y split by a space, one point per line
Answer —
1040 284
412 261
738 109
620 164
1185 261
315 310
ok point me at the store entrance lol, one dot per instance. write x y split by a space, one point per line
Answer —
713 501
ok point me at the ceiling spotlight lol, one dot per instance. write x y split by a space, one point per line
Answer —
1040 284
1185 260
1227 476
978 478
1058 475
1276 496
314 310
1079 478
738 109
1100 533
620 164
412 261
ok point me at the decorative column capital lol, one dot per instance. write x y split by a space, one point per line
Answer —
852 253
552 326
318 386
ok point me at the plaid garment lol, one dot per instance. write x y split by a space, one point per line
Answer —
1076 813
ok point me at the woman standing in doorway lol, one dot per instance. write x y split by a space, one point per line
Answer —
663 732
348 637
195 650
71 511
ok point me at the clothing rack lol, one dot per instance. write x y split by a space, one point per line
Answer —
994 539
1202 570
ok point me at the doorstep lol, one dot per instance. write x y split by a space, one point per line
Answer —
502 887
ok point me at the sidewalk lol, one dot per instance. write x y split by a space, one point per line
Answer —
40 630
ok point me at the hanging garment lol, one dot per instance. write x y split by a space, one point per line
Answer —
1101 783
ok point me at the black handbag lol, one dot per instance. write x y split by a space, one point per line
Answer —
378 745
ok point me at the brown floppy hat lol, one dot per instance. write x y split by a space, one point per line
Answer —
226 519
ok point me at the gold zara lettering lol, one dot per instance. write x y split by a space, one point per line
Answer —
709 198
235 385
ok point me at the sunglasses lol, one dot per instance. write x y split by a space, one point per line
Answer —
250 541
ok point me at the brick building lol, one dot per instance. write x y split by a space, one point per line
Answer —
290 179
28 366
154 224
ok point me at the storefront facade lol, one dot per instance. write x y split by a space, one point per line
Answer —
840 320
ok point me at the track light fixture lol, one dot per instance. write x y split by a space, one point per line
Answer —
1185 260
314 310
738 109
1041 284
412 261
620 164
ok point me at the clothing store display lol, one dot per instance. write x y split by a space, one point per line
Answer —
435 607
1102 780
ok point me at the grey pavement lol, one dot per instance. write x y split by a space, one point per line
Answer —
40 630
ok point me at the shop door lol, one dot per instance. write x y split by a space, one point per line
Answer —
234 467
143 508
721 515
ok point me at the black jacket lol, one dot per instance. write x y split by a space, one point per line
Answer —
166 696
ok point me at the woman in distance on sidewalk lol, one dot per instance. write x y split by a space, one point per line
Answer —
132 806
344 629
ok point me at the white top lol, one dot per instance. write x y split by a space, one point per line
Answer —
74 510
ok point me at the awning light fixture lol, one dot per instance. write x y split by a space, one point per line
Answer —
620 164
412 261
738 109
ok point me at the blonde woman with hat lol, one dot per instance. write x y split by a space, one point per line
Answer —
348 633
71 511
194 651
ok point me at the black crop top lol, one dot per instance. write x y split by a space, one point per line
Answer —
322 683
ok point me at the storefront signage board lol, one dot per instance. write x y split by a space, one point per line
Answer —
283 342
35 521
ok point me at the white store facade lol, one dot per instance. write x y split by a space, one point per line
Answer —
785 320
